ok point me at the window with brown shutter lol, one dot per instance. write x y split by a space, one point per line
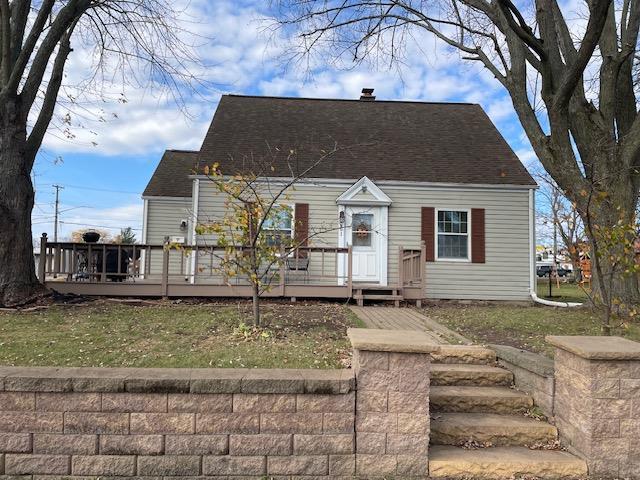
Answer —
427 231
477 235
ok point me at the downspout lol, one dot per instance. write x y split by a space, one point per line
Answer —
194 223
532 263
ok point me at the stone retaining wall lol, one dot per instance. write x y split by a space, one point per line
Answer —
155 423
532 373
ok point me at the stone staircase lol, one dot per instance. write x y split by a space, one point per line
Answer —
478 426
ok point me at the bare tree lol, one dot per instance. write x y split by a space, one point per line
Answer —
564 217
138 41
573 87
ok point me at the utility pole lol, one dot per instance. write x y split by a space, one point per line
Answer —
55 221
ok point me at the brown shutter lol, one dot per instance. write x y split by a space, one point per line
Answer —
477 235
301 227
427 231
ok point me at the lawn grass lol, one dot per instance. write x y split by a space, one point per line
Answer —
568 292
105 334
522 326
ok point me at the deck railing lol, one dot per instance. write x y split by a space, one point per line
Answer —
411 266
97 263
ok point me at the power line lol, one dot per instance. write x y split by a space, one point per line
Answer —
95 189
97 226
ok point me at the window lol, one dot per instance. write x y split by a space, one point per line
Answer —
278 225
453 235
361 229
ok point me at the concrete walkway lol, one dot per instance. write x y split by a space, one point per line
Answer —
390 318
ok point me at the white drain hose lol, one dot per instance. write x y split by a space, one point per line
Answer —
551 303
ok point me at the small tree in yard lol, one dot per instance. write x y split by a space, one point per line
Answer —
126 235
254 249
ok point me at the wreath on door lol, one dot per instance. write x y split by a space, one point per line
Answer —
362 230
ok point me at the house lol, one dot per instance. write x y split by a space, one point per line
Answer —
405 174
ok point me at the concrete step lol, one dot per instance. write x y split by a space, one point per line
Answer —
490 429
469 354
469 374
479 399
502 463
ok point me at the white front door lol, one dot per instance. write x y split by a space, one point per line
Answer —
363 234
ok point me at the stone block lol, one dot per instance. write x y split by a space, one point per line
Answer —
146 423
371 401
291 423
158 380
371 443
131 444
227 465
412 381
227 423
378 380
134 402
104 465
69 444
31 422
342 465
630 388
15 443
375 465
200 403
216 380
409 361
88 422
196 444
630 427
260 380
261 444
606 428
257 403
328 382
38 379
400 402
326 403
412 466
367 360
95 380
298 465
323 444
412 423
407 444
68 402
169 465
30 464
338 422
17 401
377 422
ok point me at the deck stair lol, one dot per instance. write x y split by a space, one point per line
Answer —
377 293
478 426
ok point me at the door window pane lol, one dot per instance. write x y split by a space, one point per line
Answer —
361 228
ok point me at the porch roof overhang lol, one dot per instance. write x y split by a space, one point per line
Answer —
349 197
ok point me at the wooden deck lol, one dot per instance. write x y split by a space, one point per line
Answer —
389 318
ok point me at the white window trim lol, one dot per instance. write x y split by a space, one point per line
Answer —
437 234
293 220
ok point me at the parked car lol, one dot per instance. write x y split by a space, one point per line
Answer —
544 270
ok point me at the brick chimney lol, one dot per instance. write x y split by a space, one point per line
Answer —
367 94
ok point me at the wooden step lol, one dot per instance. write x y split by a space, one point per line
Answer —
469 354
502 463
370 296
443 374
479 399
490 429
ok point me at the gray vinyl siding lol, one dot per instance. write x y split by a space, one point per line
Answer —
504 276
163 220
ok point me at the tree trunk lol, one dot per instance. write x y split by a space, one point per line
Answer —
18 281
256 305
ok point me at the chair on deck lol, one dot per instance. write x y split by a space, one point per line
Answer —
299 264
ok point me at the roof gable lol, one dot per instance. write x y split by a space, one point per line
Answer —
383 140
364 192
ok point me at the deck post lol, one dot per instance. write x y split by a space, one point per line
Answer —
42 264
423 274
165 268
350 270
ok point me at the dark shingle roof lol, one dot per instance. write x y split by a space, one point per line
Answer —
384 140
171 178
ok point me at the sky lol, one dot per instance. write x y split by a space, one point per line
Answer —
105 153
